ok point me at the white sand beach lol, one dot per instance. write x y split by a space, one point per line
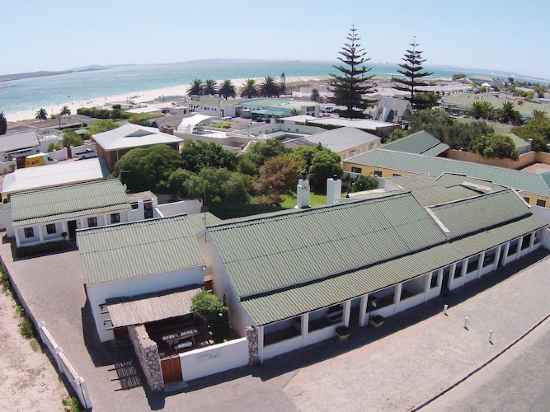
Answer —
138 97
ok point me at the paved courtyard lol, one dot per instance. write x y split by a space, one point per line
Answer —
408 360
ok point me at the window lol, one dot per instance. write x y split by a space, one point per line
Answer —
115 218
433 281
134 205
489 258
473 264
541 203
50 229
526 242
513 247
92 221
396 175
356 170
29 232
378 173
527 199
538 235
458 270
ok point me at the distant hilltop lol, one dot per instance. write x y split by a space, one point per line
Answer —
30 75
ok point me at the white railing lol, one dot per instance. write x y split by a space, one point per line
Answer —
65 367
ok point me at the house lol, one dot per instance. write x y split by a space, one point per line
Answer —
534 188
140 279
14 147
170 121
359 261
214 106
420 142
269 108
54 214
58 174
392 110
113 144
367 125
345 141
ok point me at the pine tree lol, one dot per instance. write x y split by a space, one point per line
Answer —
351 86
413 73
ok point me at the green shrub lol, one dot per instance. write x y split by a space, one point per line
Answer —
4 281
71 404
26 328
363 183
19 310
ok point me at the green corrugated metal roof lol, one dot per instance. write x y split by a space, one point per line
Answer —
435 166
481 212
68 201
298 300
420 142
141 248
278 251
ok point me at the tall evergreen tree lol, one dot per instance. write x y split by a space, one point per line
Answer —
282 84
413 73
3 124
353 82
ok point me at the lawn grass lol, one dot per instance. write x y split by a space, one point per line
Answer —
289 201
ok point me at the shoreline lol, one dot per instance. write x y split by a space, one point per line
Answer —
140 96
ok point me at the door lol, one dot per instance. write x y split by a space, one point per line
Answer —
72 229
445 281
171 370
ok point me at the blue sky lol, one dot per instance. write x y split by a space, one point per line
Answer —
57 34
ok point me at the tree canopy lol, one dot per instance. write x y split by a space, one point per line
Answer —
507 113
412 73
258 153
101 126
496 145
197 155
482 109
278 176
3 124
210 88
41 114
70 138
269 88
249 89
227 89
148 168
196 88
353 82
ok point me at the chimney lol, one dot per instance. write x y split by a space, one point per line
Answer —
302 194
334 190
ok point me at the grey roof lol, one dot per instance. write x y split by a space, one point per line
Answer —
17 141
131 135
420 142
134 250
343 138
282 265
64 202
170 120
391 109
435 166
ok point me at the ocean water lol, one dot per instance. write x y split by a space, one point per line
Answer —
31 94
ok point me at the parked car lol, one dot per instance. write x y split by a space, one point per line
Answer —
87 154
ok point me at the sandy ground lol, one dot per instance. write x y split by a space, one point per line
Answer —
28 381
138 97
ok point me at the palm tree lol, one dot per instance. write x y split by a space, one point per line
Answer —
41 114
65 111
227 90
269 88
210 88
249 89
196 88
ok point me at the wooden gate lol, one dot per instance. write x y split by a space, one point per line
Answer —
171 370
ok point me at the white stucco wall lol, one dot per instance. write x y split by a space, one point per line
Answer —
100 292
214 359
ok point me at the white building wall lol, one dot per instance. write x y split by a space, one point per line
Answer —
214 359
240 320
100 292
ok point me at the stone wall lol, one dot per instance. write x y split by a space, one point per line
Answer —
252 337
148 356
